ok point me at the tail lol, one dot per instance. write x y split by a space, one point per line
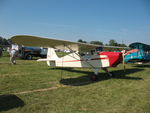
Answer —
51 57
51 54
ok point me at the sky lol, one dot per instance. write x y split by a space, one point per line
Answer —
125 21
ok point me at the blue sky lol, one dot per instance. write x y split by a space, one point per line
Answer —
125 21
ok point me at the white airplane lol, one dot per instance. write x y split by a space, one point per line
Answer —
82 54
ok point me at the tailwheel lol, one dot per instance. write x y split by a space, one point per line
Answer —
93 77
110 74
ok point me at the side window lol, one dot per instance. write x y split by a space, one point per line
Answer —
99 49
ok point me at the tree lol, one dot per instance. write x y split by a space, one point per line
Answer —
82 41
113 43
4 41
96 42
122 45
1 40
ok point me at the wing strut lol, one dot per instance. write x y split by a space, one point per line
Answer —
96 70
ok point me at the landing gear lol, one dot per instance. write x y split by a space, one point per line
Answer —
110 74
94 77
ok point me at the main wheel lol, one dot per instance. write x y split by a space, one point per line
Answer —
110 74
93 77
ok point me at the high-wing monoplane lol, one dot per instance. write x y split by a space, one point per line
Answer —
81 54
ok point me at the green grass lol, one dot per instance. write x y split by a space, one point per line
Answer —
126 92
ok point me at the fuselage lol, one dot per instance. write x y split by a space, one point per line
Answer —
95 60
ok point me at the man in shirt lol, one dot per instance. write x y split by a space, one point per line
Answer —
13 53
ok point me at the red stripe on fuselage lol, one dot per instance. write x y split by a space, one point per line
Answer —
113 57
86 60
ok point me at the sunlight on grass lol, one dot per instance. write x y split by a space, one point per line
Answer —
126 92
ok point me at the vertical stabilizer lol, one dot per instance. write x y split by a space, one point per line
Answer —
51 57
51 54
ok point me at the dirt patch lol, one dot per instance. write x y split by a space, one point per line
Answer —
40 90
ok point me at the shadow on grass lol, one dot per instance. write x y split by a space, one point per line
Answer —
142 65
84 80
10 101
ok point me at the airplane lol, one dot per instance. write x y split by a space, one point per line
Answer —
140 53
81 54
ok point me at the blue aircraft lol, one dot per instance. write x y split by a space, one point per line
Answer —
139 53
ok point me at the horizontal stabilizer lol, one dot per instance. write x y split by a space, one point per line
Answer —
39 60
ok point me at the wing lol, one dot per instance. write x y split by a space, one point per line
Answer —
27 40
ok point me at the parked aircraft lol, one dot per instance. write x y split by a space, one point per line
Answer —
140 53
81 54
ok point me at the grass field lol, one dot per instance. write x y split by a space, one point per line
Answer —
32 87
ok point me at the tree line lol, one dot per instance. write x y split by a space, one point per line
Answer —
111 42
4 42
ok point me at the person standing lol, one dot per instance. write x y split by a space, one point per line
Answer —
13 53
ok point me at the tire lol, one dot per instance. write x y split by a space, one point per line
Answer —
29 57
94 78
111 74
